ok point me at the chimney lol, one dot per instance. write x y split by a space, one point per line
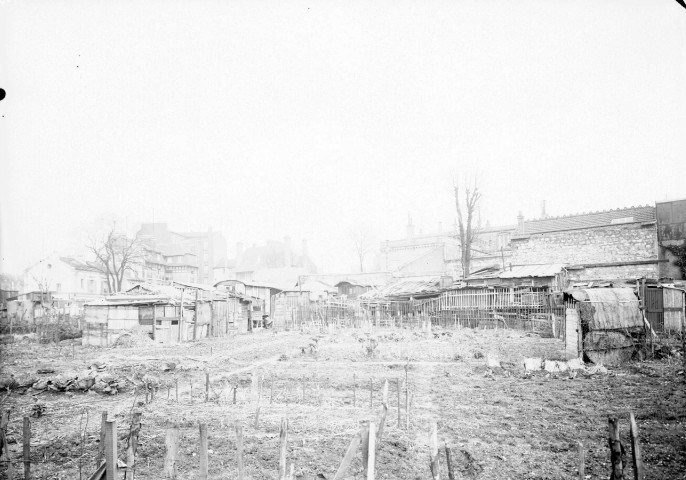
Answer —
520 222
440 227
287 252
239 250
410 228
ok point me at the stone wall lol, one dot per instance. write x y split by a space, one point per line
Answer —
616 243
615 272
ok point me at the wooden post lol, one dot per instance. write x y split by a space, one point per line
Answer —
435 471
407 400
27 448
154 324
171 445
372 451
397 387
207 386
582 461
4 456
449 462
635 448
183 293
348 458
239 450
176 381
235 389
111 449
203 452
133 444
195 314
284 449
615 450
364 435
101 447
371 394
257 417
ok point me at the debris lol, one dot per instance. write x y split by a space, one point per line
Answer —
554 366
533 364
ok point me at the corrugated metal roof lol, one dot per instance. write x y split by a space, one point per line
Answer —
525 271
588 220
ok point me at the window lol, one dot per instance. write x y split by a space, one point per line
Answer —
83 284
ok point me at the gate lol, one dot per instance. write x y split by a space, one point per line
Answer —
654 308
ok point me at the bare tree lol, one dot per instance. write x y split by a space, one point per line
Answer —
362 243
115 255
468 225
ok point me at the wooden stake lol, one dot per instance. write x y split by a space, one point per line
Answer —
203 452
365 447
27 448
207 386
615 450
284 449
235 388
133 444
449 462
582 461
111 449
397 387
101 447
4 421
257 417
371 394
435 471
177 389
407 401
348 457
171 444
239 450
635 448
372 451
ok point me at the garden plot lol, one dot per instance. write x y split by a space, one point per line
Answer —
503 421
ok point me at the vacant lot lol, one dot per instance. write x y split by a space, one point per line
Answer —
501 421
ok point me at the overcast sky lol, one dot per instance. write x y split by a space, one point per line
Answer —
267 119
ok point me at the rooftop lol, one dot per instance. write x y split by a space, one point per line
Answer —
640 214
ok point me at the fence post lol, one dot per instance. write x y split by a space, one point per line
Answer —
171 444
284 449
582 461
635 449
348 458
372 451
449 462
207 386
615 450
111 449
203 452
4 421
27 448
397 387
133 444
239 450
101 447
364 435
435 471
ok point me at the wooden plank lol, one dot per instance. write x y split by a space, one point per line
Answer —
203 452
371 451
348 457
239 450
284 449
27 448
635 448
617 468
171 444
111 449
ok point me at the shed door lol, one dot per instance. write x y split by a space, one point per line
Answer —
655 310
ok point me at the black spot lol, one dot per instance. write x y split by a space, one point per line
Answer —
2 93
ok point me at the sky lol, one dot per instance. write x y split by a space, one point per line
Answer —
314 119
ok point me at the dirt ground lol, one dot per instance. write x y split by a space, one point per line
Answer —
500 421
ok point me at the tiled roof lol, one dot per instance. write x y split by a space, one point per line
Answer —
638 214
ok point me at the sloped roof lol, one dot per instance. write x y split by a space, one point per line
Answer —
407 287
174 250
638 214
525 271
78 264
